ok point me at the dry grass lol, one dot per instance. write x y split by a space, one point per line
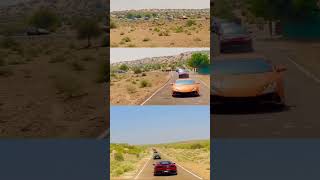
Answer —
162 34
132 89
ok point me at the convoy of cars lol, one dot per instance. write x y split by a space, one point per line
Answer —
245 77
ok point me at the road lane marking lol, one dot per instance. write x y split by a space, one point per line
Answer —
189 171
143 168
203 83
157 90
305 71
185 168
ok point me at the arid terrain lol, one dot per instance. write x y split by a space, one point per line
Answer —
136 162
52 85
155 28
147 81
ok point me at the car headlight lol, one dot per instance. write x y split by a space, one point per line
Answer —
194 89
269 88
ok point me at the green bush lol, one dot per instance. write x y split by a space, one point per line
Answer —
137 70
145 83
190 23
77 66
196 146
118 156
5 72
179 29
113 24
126 39
9 43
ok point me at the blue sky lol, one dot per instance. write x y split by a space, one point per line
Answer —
159 124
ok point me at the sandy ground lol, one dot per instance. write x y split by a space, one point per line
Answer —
126 90
197 160
146 34
51 89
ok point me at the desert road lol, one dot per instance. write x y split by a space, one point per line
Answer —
146 172
163 96
300 117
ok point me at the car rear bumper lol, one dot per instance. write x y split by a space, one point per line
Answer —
193 93
165 172
236 45
266 98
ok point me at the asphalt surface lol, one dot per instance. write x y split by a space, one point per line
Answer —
147 172
299 119
164 95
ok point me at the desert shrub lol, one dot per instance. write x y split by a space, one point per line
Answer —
9 43
118 156
131 45
104 42
131 89
179 29
124 67
87 29
164 33
88 57
196 146
2 61
190 23
44 18
122 33
67 84
144 74
146 39
137 70
113 24
77 66
126 39
156 29
16 60
58 58
197 39
103 71
5 72
145 83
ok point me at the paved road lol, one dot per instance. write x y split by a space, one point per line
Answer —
299 119
147 173
164 95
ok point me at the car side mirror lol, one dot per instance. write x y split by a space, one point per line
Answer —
280 68
171 83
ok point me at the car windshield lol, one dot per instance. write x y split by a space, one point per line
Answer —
234 67
165 162
184 82
232 28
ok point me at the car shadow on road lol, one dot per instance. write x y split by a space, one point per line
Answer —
243 108
186 96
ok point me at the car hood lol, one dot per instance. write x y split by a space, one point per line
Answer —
184 88
242 85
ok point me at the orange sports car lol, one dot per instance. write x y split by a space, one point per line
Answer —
185 87
252 79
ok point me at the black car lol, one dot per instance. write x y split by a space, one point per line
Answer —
37 31
232 36
156 156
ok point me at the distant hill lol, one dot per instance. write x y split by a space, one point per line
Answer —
159 60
